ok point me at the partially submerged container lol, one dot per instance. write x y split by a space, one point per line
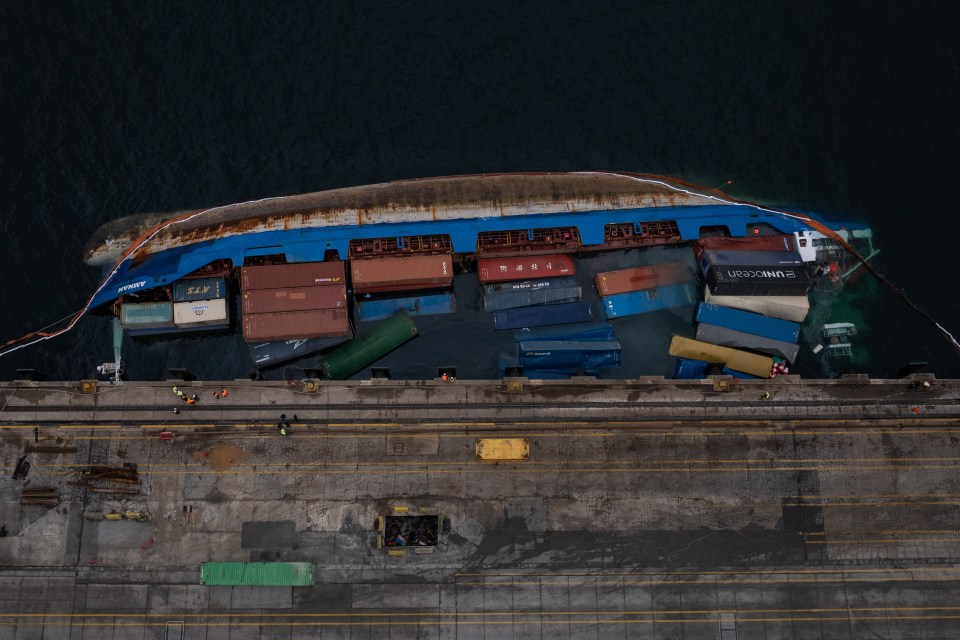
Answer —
366 349
758 281
271 354
294 299
318 323
544 315
594 332
792 308
709 259
779 243
497 297
570 354
257 574
504 269
406 273
731 338
628 304
293 274
202 314
147 318
751 363
429 305
747 322
193 289
686 369
626 280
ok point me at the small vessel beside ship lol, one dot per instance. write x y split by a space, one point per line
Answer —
324 272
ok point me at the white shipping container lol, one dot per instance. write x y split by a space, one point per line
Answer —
200 313
792 308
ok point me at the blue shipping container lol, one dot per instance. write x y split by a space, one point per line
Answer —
746 322
431 305
729 338
199 289
686 369
270 354
570 355
542 316
634 302
515 299
586 333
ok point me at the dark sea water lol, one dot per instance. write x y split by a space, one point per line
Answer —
845 108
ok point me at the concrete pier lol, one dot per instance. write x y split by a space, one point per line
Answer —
647 508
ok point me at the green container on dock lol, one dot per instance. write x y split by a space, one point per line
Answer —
369 347
257 574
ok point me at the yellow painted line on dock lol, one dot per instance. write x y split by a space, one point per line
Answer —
785 571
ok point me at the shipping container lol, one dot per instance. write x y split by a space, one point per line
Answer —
726 337
271 354
199 289
686 369
146 315
626 280
202 314
294 299
747 322
543 315
758 281
751 363
406 273
369 347
594 332
749 243
504 269
570 354
524 286
318 323
257 574
294 274
539 374
431 305
628 304
711 259
792 308
534 298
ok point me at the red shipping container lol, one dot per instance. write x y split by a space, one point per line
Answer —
290 325
626 280
294 299
749 243
524 268
407 273
295 274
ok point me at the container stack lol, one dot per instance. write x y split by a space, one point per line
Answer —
293 302
642 289
532 291
199 304
562 352
736 328
376 281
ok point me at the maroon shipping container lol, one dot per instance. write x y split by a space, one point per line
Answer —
749 243
627 280
524 268
290 325
294 299
407 273
295 274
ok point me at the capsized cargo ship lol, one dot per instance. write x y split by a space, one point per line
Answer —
516 232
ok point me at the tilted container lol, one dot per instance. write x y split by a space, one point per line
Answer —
504 269
726 337
369 347
570 354
293 274
199 289
747 322
751 363
792 308
626 280
294 299
202 314
783 243
628 304
319 323
543 315
146 315
430 305
758 281
271 354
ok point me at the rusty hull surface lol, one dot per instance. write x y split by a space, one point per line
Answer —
444 198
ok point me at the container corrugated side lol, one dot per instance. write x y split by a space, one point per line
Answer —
271 354
635 302
294 274
686 369
146 315
319 323
792 308
710 259
747 322
570 355
294 299
524 286
626 280
366 349
407 273
201 313
749 243
257 574
597 331
504 269
755 365
758 281
199 289
543 315
496 301
731 338
431 305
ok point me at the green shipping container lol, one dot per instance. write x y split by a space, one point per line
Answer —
370 347
257 574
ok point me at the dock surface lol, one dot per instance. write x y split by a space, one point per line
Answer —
647 508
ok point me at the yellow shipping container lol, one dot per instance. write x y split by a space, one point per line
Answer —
735 359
